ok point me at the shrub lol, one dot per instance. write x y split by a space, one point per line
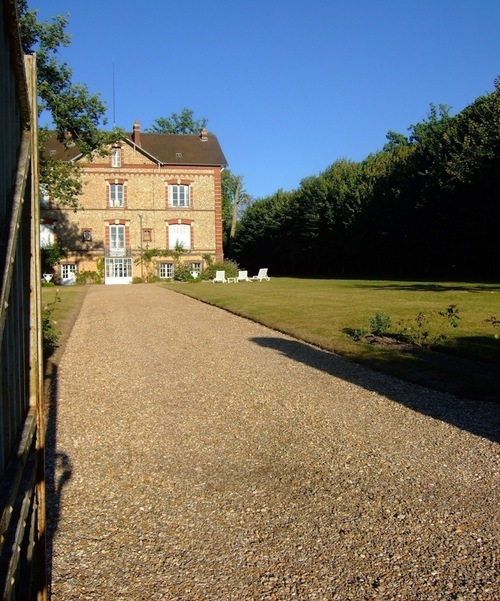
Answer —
230 267
494 322
182 272
50 334
450 314
89 277
50 255
208 259
426 329
356 334
380 324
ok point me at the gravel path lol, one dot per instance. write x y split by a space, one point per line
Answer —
200 456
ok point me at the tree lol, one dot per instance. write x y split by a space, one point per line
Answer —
394 140
234 199
260 233
76 113
185 123
424 206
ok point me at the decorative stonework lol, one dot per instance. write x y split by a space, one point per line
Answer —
145 189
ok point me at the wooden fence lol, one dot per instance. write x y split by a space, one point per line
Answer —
22 484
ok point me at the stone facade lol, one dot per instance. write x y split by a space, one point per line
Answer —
133 202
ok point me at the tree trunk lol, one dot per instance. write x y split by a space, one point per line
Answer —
234 218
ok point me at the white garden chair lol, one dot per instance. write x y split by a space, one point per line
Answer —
220 276
243 277
262 275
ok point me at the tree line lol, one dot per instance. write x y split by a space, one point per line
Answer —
426 205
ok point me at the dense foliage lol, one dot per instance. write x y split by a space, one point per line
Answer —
77 114
426 205
183 123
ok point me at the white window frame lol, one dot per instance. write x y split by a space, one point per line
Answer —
118 268
116 157
47 235
117 236
166 270
179 196
44 196
116 195
179 233
68 271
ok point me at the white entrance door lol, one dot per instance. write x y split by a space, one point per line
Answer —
118 268
118 271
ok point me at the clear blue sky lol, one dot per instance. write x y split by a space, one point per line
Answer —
288 86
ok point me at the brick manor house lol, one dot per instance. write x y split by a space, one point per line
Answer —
153 191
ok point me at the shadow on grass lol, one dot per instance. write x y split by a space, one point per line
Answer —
429 287
484 348
478 417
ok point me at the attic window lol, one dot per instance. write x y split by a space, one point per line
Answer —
116 156
178 155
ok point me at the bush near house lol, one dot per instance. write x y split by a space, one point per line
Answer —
230 267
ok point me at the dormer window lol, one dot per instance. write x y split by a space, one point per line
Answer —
116 157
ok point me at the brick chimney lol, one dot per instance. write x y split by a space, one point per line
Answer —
136 133
204 135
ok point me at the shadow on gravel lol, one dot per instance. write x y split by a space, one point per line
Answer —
478 417
58 468
58 471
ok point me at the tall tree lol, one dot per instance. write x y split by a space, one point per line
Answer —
424 206
77 114
183 123
234 200
395 139
260 233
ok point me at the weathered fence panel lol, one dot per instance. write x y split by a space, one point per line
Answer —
22 484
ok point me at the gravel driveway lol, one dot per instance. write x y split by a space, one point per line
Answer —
200 456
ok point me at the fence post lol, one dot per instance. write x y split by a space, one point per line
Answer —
37 395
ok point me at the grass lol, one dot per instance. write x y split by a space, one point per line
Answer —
320 312
65 311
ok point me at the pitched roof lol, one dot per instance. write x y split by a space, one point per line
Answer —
59 150
167 149
182 149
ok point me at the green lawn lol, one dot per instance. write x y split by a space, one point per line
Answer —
320 311
66 309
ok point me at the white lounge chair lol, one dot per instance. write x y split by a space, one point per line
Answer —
243 277
262 275
220 276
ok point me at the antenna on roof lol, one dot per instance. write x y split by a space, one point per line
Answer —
114 119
